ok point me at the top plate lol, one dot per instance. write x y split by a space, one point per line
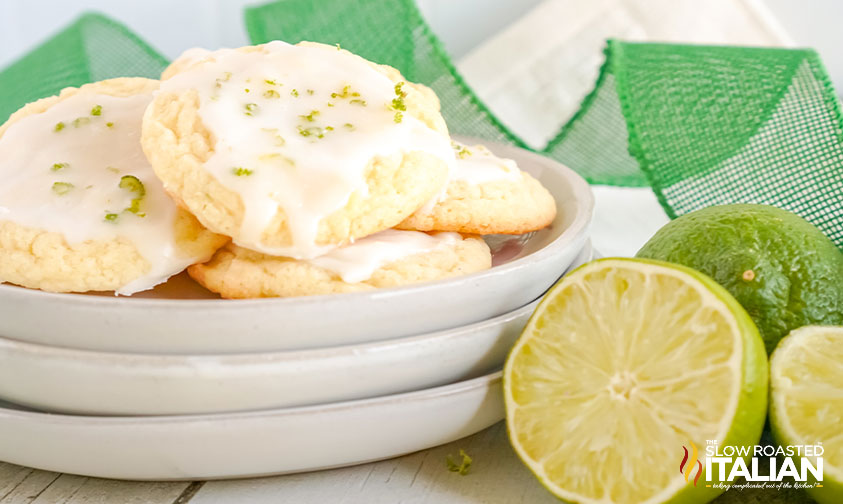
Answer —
180 317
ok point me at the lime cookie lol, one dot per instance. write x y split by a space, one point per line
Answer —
294 150
386 259
486 195
80 207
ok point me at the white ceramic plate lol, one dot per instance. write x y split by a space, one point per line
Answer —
100 383
525 267
249 444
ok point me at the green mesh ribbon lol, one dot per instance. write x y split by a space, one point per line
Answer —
91 49
701 125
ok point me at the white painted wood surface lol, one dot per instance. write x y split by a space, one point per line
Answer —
496 476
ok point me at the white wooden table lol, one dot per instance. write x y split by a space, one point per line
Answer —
496 476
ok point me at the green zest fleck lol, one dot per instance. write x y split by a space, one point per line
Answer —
109 124
81 121
59 166
330 104
329 128
112 169
311 116
338 47
294 93
271 82
135 186
241 172
247 90
62 188
362 103
348 126
310 92
97 110
111 217
250 108
59 126
463 467
271 93
398 104
462 151
312 131
346 92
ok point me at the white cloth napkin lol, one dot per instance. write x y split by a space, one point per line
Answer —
535 73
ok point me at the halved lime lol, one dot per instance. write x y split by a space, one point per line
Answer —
806 400
627 367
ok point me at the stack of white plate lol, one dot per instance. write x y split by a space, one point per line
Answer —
174 384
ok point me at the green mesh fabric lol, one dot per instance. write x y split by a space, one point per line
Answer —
91 49
702 125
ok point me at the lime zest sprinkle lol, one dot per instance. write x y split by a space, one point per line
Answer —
58 127
310 92
362 103
247 90
295 93
329 128
241 172
311 116
135 186
111 217
398 104
59 166
97 110
81 121
109 124
271 93
112 169
311 131
348 126
330 104
338 47
62 188
250 108
271 82
463 467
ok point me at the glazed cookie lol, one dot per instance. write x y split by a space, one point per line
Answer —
386 259
486 195
80 207
294 150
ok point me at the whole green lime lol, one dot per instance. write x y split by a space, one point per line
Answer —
784 271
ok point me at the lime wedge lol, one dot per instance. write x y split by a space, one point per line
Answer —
627 367
806 400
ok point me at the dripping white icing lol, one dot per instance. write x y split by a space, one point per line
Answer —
475 165
68 181
357 262
295 127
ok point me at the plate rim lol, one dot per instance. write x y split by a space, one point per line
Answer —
465 386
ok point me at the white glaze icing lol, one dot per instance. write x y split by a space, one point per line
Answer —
277 133
477 165
474 165
92 157
357 261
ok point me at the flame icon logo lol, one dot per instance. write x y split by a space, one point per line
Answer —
686 466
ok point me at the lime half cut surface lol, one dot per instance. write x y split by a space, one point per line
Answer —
806 400
626 367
